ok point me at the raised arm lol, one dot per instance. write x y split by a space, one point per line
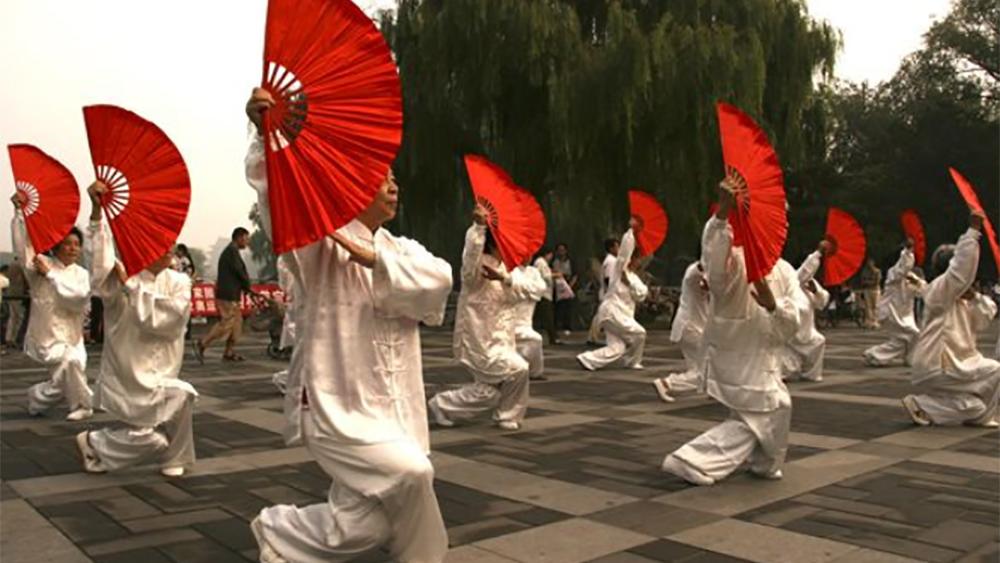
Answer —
807 271
902 267
19 236
961 272
472 254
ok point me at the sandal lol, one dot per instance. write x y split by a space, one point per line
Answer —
233 358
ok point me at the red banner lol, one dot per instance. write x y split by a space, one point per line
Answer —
203 298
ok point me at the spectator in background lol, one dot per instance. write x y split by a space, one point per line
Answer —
871 281
232 282
183 262
565 281
16 298
544 317
4 309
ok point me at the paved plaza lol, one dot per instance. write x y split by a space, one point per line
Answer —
579 483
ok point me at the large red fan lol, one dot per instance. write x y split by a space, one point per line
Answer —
972 200
849 247
515 218
759 219
914 229
653 218
338 122
149 189
50 193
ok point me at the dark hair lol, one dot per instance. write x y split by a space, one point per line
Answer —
73 231
562 244
941 258
610 243
183 249
239 231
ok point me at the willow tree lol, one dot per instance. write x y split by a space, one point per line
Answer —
582 100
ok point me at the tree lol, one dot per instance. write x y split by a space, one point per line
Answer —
200 261
582 100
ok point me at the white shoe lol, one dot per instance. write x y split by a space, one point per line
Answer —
663 389
509 425
267 553
637 366
438 415
177 471
917 415
774 475
91 463
677 467
79 414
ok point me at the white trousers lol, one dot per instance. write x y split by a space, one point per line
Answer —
626 342
380 494
67 380
950 400
892 350
761 438
807 358
531 350
171 444
508 400
594 333
692 379
280 380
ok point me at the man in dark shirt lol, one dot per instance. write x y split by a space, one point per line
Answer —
232 281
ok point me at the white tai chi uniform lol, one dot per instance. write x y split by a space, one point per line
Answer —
356 396
742 366
688 329
144 324
286 280
616 316
895 312
484 341
607 267
803 357
956 383
54 335
529 342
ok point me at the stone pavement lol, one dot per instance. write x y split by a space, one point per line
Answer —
579 483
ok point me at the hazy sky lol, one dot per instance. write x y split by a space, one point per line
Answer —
189 65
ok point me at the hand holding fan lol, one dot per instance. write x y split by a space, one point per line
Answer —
148 186
50 198
914 229
651 215
758 219
337 121
514 217
972 200
848 247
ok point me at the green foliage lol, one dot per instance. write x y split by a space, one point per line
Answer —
260 248
583 100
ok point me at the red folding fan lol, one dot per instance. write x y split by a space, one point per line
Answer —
515 218
51 196
758 219
149 189
972 200
848 240
914 229
338 121
653 219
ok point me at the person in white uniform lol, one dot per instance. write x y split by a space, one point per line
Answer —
529 342
955 383
286 280
626 338
803 357
145 318
356 389
688 329
895 311
611 247
60 293
484 340
748 327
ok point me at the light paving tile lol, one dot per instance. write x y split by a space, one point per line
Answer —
743 492
842 398
819 441
961 460
933 437
258 418
762 543
557 421
525 487
569 541
872 556
473 554
28 536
